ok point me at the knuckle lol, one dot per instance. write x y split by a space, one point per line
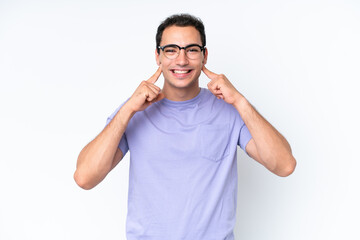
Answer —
152 94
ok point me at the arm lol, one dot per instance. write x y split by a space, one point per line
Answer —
102 154
267 146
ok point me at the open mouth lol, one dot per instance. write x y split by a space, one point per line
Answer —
181 71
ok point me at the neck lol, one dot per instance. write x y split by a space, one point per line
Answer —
180 94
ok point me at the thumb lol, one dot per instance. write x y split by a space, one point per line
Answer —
159 97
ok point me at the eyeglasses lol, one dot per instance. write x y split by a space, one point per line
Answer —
192 51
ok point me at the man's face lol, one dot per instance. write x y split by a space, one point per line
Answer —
173 69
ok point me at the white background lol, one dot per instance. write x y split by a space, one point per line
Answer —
66 65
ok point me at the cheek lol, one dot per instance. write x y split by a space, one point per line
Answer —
199 65
164 62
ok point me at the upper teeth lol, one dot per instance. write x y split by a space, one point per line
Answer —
178 71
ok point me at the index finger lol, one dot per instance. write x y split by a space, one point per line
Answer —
155 77
209 73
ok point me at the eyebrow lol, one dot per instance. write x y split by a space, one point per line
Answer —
180 46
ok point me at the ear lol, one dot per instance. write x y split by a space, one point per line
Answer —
157 57
205 56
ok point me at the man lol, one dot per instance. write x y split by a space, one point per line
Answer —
183 141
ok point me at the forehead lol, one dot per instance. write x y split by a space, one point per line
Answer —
181 36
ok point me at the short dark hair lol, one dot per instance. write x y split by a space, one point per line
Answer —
181 20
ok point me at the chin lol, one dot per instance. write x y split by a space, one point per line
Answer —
182 84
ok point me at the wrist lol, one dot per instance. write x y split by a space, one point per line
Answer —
240 101
126 113
127 109
243 106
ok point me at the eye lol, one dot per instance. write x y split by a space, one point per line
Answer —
170 50
193 49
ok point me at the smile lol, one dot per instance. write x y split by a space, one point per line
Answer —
181 71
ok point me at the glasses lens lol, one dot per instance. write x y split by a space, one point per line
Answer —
171 52
193 52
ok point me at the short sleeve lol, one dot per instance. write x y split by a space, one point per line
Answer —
123 145
244 137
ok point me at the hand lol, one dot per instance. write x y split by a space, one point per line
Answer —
221 87
146 93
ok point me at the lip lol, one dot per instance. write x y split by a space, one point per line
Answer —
181 75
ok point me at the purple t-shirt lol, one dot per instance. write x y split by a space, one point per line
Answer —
183 169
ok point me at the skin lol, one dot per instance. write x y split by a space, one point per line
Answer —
102 154
176 89
268 146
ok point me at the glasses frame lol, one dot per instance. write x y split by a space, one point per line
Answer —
202 48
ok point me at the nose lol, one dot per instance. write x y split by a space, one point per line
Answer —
182 58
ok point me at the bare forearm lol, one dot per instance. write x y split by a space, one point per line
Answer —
96 159
273 149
